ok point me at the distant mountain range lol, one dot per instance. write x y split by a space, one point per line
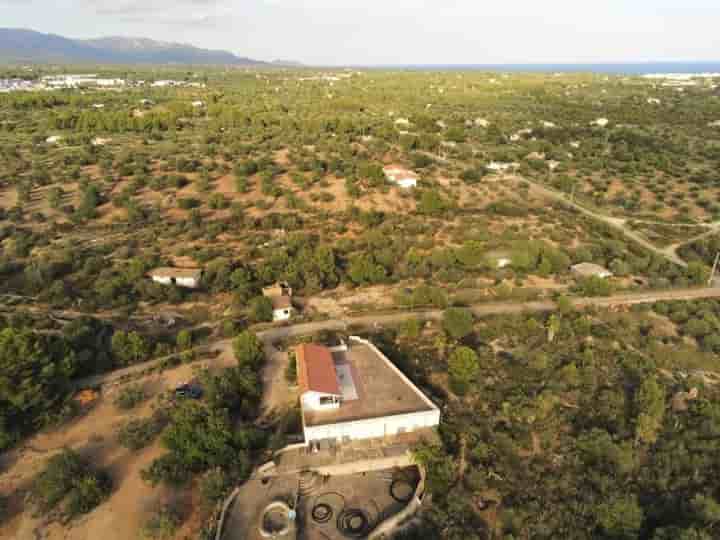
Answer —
19 45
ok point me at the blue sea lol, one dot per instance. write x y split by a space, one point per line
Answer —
639 68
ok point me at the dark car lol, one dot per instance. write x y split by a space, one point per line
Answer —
188 391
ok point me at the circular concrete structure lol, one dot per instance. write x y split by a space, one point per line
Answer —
275 521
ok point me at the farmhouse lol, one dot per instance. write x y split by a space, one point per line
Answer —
354 392
591 270
496 166
182 277
282 308
401 177
281 296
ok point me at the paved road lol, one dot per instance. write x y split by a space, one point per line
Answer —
384 319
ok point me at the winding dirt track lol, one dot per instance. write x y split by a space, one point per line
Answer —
378 320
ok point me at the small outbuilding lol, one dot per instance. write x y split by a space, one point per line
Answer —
588 270
182 277
280 294
401 177
282 308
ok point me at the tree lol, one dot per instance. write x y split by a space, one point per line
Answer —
183 340
261 309
463 369
432 203
620 518
129 347
553 327
248 350
34 372
650 404
198 438
458 322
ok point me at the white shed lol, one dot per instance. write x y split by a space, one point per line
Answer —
182 277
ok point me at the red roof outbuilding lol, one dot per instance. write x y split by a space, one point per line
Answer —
316 369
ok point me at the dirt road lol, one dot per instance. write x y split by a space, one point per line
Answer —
616 223
378 320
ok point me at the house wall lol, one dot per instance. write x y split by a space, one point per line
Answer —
374 427
282 314
407 183
189 283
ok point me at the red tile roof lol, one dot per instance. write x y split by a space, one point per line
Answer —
316 369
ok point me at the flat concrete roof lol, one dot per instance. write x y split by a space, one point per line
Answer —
381 391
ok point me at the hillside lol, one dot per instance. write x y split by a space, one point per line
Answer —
21 45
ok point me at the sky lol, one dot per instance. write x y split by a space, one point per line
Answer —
381 32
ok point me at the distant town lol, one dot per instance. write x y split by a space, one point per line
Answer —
75 81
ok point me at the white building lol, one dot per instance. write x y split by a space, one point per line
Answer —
497 166
182 277
282 308
354 392
587 270
400 177
54 139
198 104
280 294
600 122
481 122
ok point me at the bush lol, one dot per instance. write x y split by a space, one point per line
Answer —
248 350
140 432
261 309
458 322
68 478
130 397
291 370
463 369
214 486
162 525
188 203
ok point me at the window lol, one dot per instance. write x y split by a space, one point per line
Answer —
327 400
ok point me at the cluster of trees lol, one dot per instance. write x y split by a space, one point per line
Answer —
68 487
559 426
35 371
216 432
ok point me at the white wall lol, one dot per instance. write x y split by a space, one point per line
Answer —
282 314
190 283
374 427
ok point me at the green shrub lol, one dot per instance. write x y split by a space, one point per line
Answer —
68 478
458 322
130 397
139 432
213 486
162 525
